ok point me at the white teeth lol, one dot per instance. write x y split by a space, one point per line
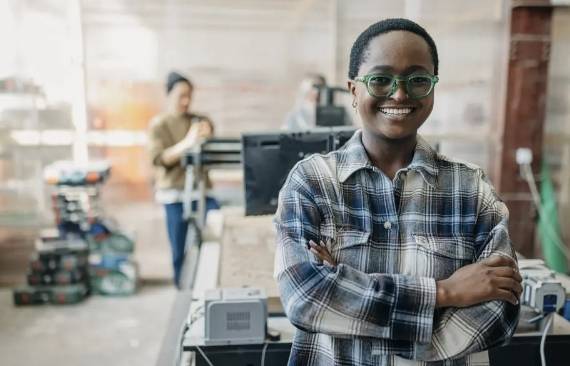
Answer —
396 111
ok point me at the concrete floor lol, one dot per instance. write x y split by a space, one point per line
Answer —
101 330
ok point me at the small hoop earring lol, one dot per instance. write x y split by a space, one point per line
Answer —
354 104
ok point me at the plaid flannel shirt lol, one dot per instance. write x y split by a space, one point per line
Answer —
392 240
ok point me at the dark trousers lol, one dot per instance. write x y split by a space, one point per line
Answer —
177 228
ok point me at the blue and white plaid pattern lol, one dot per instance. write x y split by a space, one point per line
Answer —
391 240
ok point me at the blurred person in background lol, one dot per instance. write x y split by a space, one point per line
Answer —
171 134
303 115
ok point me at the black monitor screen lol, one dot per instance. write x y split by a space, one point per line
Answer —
268 158
331 116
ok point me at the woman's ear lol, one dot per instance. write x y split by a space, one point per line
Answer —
352 90
352 87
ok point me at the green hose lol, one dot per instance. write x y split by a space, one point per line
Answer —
549 225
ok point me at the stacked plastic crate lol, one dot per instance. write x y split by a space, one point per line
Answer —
112 268
58 272
87 251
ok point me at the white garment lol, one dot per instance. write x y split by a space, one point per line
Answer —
168 196
301 119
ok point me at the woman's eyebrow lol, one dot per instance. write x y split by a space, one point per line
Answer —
415 68
382 68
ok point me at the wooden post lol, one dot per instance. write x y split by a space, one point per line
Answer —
524 115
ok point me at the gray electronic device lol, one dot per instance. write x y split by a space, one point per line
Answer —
542 292
235 316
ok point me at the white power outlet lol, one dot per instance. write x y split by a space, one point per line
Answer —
524 156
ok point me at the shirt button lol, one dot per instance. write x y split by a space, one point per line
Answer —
387 225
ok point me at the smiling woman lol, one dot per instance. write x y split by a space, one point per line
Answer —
374 237
393 86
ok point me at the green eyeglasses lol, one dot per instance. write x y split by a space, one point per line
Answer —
385 85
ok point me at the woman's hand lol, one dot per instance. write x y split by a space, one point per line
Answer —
192 136
198 132
322 252
494 278
205 128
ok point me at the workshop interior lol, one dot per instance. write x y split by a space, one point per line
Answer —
144 145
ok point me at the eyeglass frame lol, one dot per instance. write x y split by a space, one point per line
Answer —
395 82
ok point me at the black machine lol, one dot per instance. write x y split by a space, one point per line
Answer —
268 158
329 113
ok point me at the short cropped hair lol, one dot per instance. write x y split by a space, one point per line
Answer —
360 46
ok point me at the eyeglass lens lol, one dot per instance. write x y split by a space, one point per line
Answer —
416 85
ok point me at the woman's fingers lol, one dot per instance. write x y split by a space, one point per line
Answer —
499 260
320 255
314 245
507 272
506 295
321 252
316 249
509 284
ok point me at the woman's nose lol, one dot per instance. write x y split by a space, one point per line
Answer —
400 94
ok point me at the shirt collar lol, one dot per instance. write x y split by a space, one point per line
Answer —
353 157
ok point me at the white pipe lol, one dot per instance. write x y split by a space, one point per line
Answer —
78 100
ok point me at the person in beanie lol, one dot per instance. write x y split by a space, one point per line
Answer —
171 134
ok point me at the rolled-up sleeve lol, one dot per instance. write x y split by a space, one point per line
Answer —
157 143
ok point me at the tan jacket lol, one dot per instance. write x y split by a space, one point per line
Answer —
165 131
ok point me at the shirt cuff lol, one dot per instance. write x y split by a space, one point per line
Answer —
415 306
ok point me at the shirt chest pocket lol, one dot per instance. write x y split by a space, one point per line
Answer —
349 246
440 256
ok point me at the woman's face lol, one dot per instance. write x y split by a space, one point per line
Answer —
180 97
397 116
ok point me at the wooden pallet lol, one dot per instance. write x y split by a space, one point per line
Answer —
247 253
